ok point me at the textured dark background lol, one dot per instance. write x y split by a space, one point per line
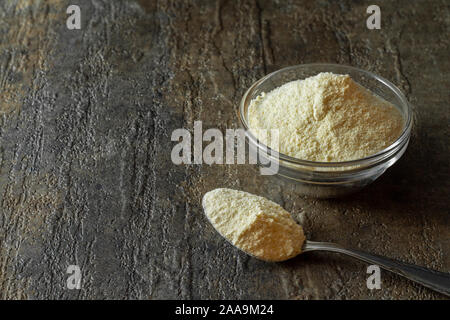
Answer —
85 123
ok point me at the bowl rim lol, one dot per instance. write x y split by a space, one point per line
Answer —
379 156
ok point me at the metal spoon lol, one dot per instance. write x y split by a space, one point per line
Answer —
435 280
438 281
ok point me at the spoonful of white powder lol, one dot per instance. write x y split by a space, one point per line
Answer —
254 224
263 229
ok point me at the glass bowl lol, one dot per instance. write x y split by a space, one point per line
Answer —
329 179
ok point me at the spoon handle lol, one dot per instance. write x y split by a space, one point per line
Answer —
438 281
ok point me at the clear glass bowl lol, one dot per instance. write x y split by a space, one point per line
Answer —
330 179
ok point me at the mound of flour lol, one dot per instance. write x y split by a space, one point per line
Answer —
254 224
326 118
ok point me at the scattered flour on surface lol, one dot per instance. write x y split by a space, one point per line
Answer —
254 224
326 118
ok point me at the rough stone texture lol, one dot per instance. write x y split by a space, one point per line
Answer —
86 118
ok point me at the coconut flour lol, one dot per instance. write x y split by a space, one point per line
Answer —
254 224
326 118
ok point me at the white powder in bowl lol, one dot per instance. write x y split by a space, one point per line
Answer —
326 118
254 224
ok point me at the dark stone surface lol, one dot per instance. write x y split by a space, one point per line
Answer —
85 123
